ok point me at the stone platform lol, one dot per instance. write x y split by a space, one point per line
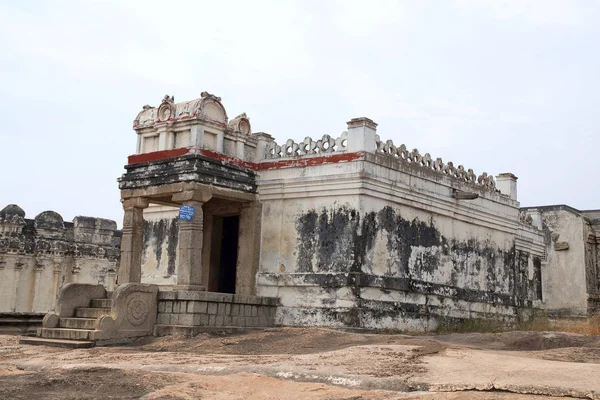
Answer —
22 323
183 308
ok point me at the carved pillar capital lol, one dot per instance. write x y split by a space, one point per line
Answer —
135 202
191 195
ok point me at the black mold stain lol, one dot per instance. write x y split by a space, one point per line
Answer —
160 236
172 246
161 230
342 243
306 225
335 241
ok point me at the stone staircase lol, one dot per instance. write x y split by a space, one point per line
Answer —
76 331
87 315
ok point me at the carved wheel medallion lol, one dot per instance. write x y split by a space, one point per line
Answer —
137 310
164 112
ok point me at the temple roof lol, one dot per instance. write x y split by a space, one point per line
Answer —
207 107
10 210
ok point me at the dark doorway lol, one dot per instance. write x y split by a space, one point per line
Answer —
228 256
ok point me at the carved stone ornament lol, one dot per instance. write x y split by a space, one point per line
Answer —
426 161
241 124
308 146
525 218
137 310
166 109
206 95
561 246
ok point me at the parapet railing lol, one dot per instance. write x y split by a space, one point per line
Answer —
308 146
327 144
437 165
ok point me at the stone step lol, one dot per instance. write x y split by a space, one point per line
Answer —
64 333
77 323
101 303
91 312
71 344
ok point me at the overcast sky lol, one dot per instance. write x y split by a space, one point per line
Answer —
497 86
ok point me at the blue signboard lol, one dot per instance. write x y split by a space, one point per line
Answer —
186 213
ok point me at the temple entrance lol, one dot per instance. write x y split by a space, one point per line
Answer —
224 254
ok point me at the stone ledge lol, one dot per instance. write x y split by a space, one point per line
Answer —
252 319
216 297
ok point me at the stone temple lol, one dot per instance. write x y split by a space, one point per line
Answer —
224 227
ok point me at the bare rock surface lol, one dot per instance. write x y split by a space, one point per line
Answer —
290 363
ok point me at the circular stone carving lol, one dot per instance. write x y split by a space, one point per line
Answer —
164 113
137 311
244 127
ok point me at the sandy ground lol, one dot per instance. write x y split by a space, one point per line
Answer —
294 363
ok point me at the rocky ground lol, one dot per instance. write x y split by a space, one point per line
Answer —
294 363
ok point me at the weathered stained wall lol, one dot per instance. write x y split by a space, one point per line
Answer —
379 246
159 250
571 275
159 253
39 256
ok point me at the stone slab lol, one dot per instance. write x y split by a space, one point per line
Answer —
70 344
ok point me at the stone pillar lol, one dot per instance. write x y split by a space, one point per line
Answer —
361 135
18 268
57 264
164 138
130 269
4 286
112 276
206 248
75 270
536 218
248 248
39 268
190 241
196 136
507 184
261 145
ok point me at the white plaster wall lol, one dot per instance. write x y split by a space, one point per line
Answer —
155 270
159 252
287 194
279 245
18 286
565 284
156 212
474 274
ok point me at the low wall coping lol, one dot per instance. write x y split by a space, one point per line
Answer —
190 295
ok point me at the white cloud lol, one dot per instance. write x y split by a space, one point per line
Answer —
360 18
537 12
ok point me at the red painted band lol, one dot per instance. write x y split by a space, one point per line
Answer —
157 155
282 163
